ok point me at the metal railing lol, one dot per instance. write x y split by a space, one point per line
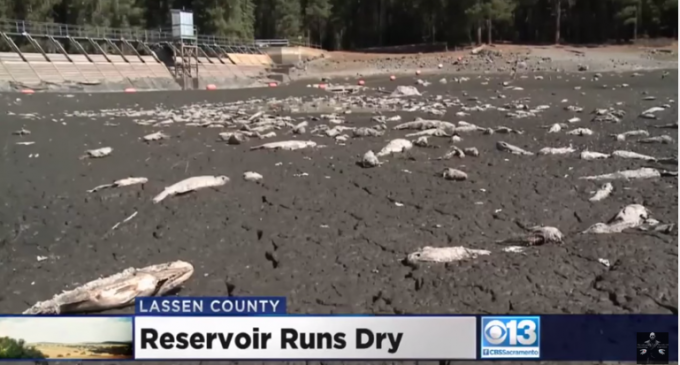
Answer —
58 30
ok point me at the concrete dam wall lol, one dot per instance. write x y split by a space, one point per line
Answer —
98 72
292 55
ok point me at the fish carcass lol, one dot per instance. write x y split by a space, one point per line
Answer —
396 146
117 291
444 254
191 184
285 145
631 216
120 183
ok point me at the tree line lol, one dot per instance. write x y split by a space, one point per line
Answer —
356 24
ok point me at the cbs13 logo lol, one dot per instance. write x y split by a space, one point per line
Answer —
511 331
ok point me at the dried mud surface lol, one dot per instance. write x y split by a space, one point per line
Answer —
493 59
334 241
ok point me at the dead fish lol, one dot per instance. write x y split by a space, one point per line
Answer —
659 139
471 151
506 130
99 152
514 249
155 137
341 138
191 184
643 173
454 152
536 236
421 142
367 132
453 174
266 135
506 147
435 132
285 145
301 128
444 254
580 132
573 108
604 191
632 156
120 183
396 146
465 127
555 128
117 291
422 124
369 160
233 138
252 176
631 216
589 155
556 150
667 126
405 91
622 137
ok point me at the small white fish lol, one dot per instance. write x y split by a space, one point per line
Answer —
604 191
589 155
580 132
252 176
120 183
622 137
421 141
99 152
643 173
445 254
396 146
653 110
507 147
369 160
155 137
555 128
631 216
632 156
285 145
556 150
453 174
191 184
658 139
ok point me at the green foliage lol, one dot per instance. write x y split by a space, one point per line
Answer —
17 349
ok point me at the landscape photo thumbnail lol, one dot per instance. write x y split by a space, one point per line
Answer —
66 338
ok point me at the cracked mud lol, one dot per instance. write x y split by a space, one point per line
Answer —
328 234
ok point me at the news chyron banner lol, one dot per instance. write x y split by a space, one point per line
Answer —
259 329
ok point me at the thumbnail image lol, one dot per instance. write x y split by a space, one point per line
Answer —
67 338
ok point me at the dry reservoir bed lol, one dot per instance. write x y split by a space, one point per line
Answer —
330 235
